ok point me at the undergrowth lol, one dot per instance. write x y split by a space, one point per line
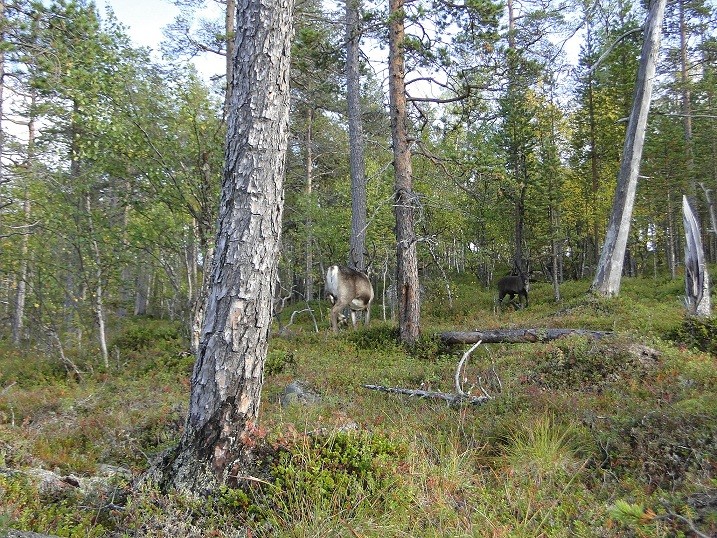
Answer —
582 437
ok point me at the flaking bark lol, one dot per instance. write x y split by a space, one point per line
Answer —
219 437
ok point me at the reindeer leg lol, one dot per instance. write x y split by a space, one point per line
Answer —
335 318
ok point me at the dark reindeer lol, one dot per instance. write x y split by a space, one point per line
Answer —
348 287
513 286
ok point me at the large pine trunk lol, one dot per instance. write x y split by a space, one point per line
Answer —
227 379
405 198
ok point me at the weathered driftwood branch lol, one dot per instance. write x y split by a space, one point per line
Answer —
516 336
460 396
450 398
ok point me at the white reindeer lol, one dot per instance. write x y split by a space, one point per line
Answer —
348 287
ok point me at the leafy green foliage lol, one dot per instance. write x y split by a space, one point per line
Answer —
376 336
351 466
277 361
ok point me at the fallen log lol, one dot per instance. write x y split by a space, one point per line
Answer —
453 399
516 336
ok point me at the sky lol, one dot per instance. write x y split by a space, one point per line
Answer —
144 20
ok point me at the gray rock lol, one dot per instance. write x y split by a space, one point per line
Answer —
297 392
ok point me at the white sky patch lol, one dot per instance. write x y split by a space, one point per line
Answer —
145 19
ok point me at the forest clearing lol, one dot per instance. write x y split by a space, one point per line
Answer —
611 438
520 195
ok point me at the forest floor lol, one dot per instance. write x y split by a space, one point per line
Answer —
609 437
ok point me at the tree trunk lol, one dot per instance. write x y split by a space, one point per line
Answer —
99 289
200 302
356 145
21 291
2 90
142 289
309 265
555 256
609 272
407 291
230 35
710 208
228 375
519 264
671 250
697 285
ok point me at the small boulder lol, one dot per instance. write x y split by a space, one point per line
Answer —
298 392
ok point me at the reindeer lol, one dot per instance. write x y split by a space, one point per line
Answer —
348 287
513 286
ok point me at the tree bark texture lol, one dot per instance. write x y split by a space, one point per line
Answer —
228 375
2 90
229 31
697 285
405 199
515 336
609 272
356 145
21 292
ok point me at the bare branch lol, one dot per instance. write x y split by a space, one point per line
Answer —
452 399
611 48
459 368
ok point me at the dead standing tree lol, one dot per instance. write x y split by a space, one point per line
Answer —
697 286
609 271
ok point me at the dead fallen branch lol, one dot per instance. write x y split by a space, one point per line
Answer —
460 397
516 336
452 399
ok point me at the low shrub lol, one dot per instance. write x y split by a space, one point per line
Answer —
376 336
697 333
142 333
345 469
663 448
584 364
24 508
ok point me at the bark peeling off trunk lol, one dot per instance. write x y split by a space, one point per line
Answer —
218 441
